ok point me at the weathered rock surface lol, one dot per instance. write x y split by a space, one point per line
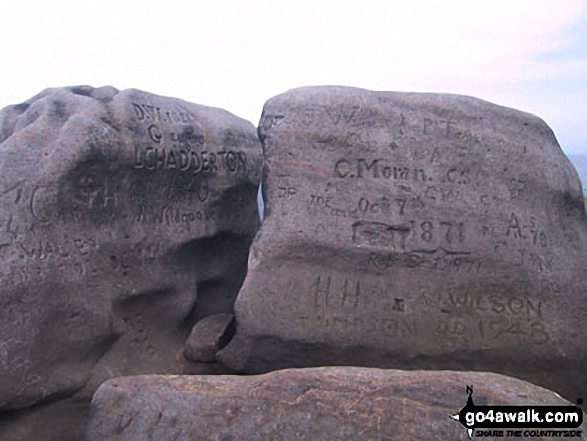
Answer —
308 404
125 217
415 231
208 336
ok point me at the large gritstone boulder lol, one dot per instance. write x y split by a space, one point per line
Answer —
305 404
125 217
415 231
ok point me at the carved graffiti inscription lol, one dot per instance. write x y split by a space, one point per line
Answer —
154 158
377 168
149 112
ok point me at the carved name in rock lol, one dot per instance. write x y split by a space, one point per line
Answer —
322 403
125 217
415 231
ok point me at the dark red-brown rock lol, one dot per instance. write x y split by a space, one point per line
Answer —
304 404
125 217
415 231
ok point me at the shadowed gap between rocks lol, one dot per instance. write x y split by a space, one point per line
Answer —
216 293
23 424
211 257
268 354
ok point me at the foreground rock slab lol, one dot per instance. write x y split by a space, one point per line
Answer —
415 231
313 404
125 217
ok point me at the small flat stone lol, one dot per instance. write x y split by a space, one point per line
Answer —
208 336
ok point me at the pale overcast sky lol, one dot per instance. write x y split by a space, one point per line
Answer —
527 54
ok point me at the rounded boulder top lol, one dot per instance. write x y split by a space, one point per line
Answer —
125 217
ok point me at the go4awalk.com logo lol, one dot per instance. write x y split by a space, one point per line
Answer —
520 421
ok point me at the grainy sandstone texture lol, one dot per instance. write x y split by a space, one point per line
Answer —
415 231
302 404
125 217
